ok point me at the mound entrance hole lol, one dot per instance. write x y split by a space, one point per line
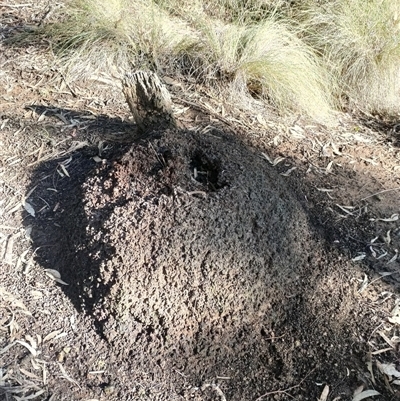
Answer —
206 171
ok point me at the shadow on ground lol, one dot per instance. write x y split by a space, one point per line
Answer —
388 127
102 126
199 263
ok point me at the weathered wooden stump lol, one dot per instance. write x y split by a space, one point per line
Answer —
149 101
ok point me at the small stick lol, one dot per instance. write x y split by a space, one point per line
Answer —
380 192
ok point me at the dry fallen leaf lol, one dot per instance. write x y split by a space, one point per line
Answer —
394 257
324 394
393 217
329 167
66 376
346 209
29 208
288 172
365 394
266 157
389 369
261 120
29 374
31 341
63 168
52 335
394 320
29 397
359 257
8 255
55 275
28 347
278 160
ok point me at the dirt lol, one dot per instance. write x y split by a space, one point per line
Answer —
243 257
197 263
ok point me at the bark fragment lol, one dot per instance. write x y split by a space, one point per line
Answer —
149 101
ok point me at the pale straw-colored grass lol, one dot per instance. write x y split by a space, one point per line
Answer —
270 61
260 53
360 43
104 34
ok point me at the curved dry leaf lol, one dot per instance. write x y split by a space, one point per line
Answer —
393 217
261 120
63 168
346 209
328 168
54 274
389 369
288 172
266 157
359 257
365 394
29 208
28 347
324 394
52 335
66 376
60 281
278 160
394 257
29 374
36 294
335 149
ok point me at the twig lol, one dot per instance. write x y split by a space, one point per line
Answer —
68 85
15 5
286 390
380 192
206 110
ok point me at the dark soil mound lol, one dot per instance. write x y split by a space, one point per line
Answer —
199 265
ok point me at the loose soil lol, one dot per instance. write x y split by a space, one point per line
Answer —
196 263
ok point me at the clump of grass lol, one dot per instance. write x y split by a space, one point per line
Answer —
228 11
360 42
270 61
228 40
101 34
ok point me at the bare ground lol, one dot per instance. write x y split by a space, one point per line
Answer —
245 256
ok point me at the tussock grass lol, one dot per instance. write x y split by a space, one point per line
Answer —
101 35
360 43
228 11
270 61
227 40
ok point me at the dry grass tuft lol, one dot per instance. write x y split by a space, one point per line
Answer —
269 61
307 56
228 11
264 58
360 42
100 35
